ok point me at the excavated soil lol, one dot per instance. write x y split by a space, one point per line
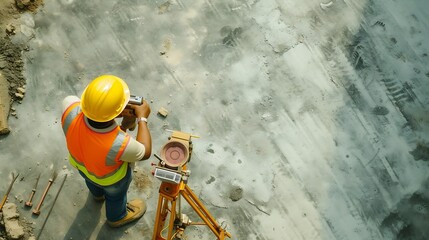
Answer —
12 81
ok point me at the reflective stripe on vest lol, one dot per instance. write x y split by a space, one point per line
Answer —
69 114
95 154
106 180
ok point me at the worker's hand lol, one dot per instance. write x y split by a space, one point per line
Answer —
128 122
141 110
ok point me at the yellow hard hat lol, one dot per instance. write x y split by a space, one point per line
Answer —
104 98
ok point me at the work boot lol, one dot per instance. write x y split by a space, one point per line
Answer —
135 210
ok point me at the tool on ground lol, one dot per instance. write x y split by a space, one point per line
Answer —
52 206
36 211
8 190
33 191
172 171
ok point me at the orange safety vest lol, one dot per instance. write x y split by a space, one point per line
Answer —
95 154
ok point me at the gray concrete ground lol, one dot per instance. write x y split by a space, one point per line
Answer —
313 115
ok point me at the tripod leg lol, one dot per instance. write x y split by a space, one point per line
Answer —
161 215
204 214
172 218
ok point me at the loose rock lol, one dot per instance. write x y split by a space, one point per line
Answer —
22 4
21 90
380 110
236 193
10 211
163 112
19 95
10 29
10 216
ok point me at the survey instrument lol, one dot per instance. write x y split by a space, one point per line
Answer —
173 173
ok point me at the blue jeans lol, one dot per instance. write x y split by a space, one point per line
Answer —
116 196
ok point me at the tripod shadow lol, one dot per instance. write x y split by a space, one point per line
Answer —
86 220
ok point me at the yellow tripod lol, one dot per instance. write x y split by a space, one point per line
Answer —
172 171
169 194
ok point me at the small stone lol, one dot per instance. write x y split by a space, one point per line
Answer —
10 29
380 110
10 211
3 64
22 3
21 90
163 112
13 113
212 179
236 193
19 95
64 167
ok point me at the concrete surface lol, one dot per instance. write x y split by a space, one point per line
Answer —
313 118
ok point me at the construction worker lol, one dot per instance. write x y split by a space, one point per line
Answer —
102 151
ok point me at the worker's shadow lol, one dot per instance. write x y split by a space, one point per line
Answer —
86 220
107 232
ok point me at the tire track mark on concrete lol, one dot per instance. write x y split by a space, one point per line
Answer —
290 171
174 76
348 73
119 42
214 8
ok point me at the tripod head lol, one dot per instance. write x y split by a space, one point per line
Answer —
175 154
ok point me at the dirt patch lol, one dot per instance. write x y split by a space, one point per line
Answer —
143 181
11 63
